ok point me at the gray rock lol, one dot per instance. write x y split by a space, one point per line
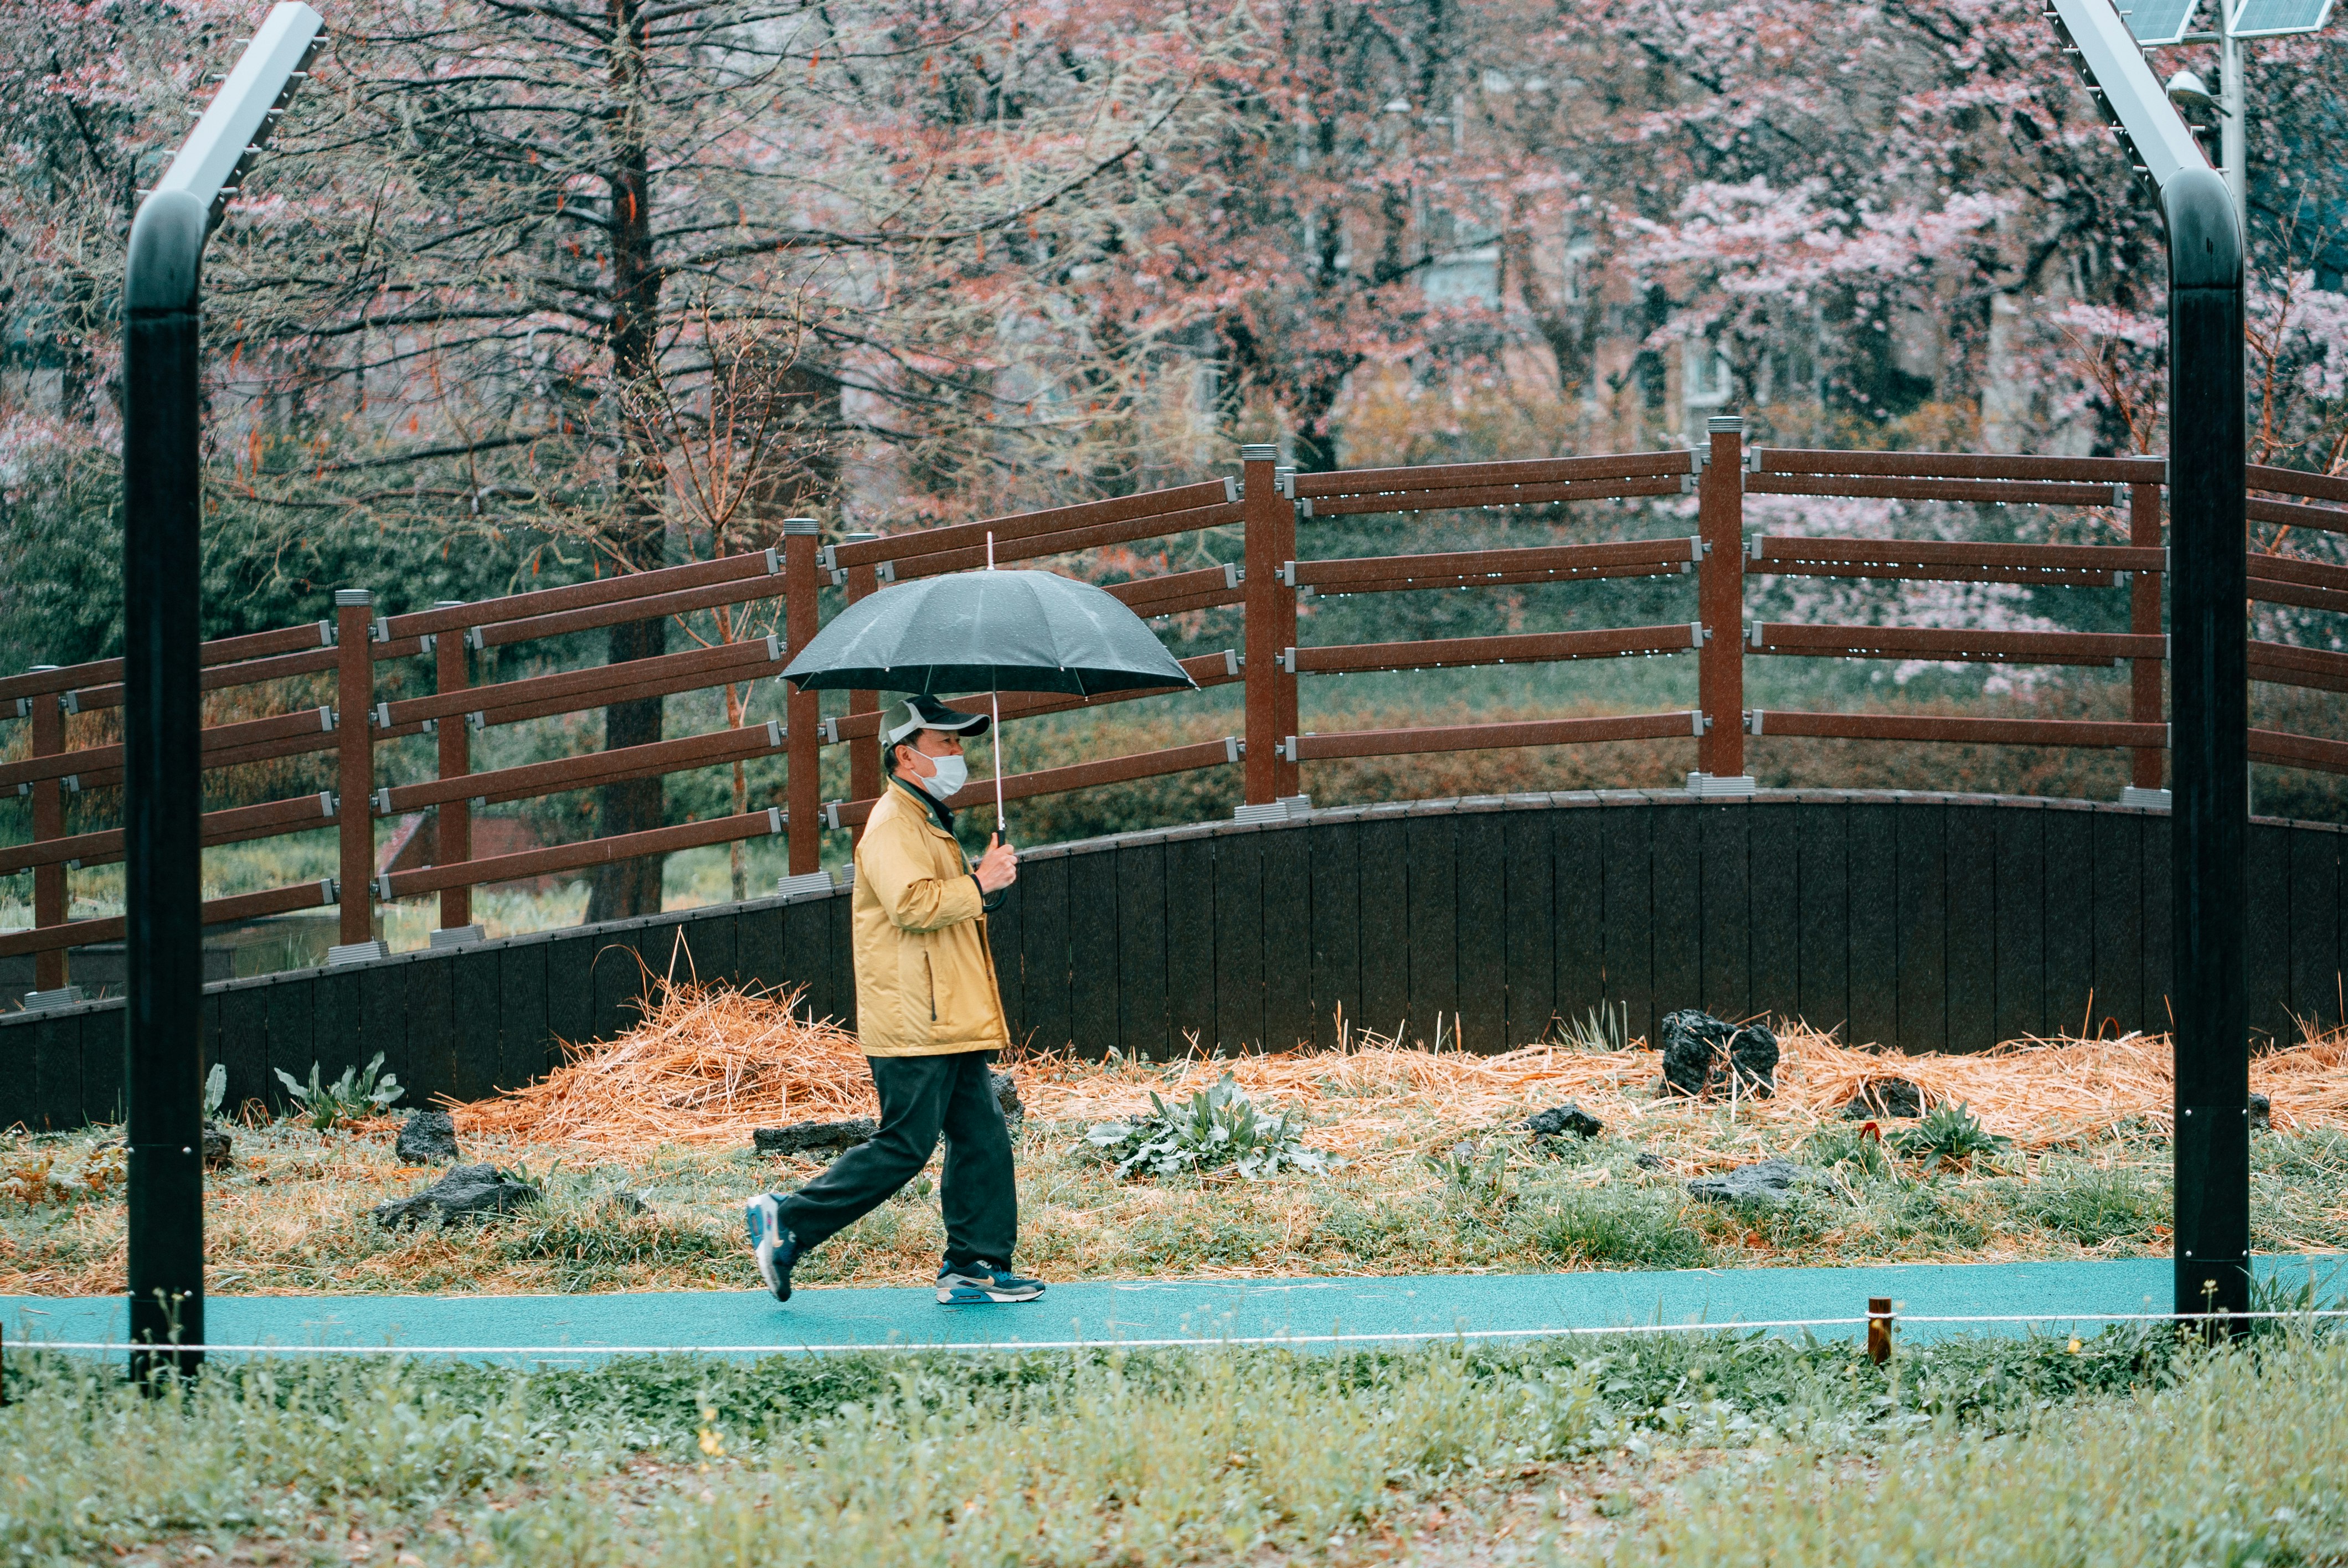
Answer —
430 1137
465 1193
1560 1120
1647 1162
1770 1181
1889 1098
218 1147
2261 1113
1701 1051
803 1137
627 1203
1007 1094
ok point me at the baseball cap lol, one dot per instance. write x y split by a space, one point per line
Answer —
901 719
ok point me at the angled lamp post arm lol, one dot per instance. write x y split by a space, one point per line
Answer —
162 515
2208 683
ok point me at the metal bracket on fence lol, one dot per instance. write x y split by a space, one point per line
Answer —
1288 661
831 736
381 801
73 784
1283 479
774 820
379 628
1753 721
459 936
2150 799
477 803
1233 662
1234 749
886 571
68 702
1234 574
380 716
326 634
831 815
805 882
357 952
329 803
479 719
1757 640
1710 787
773 734
1696 634
1304 508
62 997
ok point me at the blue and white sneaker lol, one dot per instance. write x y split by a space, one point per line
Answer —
775 1248
977 1284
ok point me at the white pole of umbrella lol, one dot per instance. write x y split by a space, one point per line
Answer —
995 703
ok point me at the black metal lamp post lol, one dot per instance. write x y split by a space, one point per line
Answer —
2209 647
162 513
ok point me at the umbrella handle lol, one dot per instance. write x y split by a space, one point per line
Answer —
995 700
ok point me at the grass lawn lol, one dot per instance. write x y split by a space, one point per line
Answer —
1431 1170
2131 1447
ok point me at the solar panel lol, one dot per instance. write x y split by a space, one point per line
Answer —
2273 18
2160 21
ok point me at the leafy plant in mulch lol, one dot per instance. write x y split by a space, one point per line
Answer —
1950 1135
1216 1128
359 1093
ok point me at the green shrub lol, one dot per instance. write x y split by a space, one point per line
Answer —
1216 1127
1950 1135
357 1092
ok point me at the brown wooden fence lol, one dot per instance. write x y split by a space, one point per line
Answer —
1265 503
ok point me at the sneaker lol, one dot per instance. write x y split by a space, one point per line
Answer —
775 1248
975 1284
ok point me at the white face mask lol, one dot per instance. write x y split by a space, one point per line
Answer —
952 775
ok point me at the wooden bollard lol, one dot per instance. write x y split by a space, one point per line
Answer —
1878 1330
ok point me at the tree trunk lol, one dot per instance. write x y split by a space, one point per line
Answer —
630 887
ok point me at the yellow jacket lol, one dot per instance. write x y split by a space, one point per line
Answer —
924 975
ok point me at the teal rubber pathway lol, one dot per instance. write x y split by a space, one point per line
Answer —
1318 1313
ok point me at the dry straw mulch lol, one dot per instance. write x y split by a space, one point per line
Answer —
709 1063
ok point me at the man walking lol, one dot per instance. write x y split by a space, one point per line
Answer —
930 1018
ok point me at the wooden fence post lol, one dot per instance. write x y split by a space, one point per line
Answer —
863 755
50 905
1268 634
2145 703
1285 772
452 829
803 712
1720 601
355 756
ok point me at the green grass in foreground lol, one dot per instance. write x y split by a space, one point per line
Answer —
2128 1448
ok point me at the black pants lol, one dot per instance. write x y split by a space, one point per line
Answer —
921 1096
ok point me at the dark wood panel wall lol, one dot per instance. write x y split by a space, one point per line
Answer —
1921 921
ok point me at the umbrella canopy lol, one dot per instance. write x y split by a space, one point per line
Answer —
983 632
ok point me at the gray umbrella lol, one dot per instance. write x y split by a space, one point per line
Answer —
987 631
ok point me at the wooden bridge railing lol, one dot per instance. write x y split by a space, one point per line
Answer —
1266 504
